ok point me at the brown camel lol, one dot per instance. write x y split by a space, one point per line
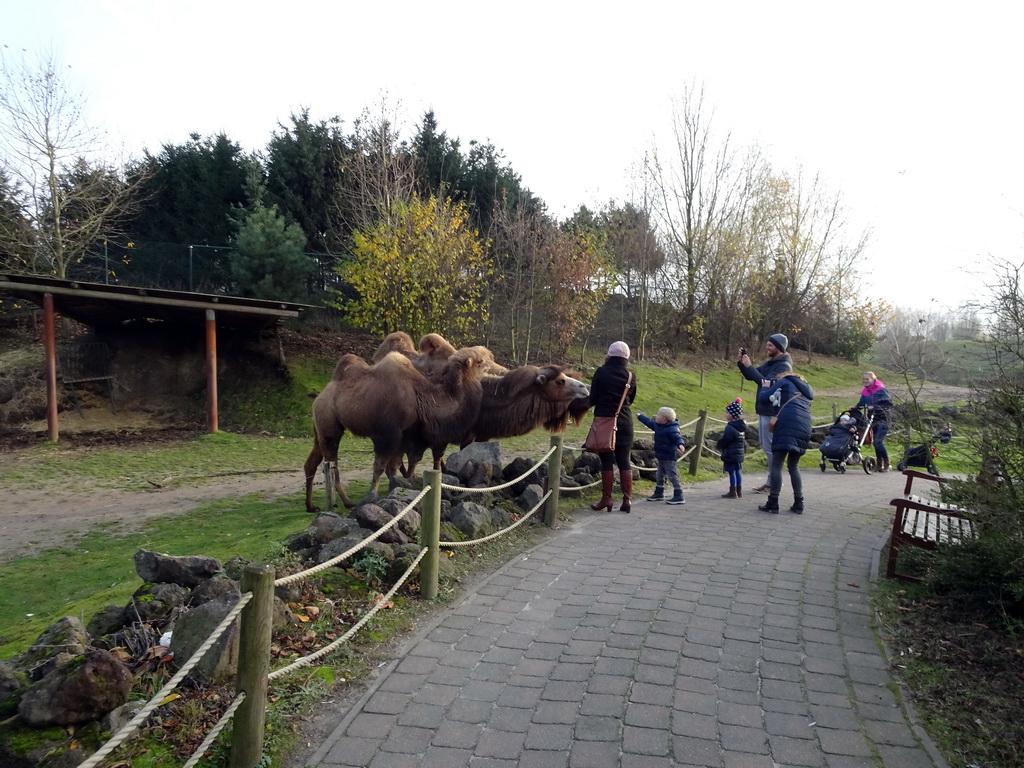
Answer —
393 404
434 351
514 404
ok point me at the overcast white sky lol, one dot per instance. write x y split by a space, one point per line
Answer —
910 110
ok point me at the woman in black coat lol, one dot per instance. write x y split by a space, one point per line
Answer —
606 389
792 394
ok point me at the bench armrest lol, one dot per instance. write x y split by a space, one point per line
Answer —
913 474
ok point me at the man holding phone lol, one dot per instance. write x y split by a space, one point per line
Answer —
778 362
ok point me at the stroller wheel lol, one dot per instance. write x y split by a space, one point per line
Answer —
869 465
822 465
842 469
933 470
901 466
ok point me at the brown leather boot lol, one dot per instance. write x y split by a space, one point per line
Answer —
739 491
607 486
731 494
626 481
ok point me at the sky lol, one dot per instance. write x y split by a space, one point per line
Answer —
908 110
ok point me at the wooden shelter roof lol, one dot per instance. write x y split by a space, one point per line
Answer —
100 306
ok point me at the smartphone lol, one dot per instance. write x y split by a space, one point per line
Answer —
743 351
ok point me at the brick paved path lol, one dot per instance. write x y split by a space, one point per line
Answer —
709 634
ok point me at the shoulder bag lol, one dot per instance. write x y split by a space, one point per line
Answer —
775 419
601 438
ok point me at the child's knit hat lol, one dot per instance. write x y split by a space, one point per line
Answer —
735 409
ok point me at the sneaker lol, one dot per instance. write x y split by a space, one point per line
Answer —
656 497
762 489
676 501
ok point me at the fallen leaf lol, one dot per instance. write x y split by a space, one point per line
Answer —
853 584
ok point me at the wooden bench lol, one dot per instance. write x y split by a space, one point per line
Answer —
925 522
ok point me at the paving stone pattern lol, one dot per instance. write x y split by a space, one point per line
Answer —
709 634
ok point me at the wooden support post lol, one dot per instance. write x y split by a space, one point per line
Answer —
430 535
554 477
253 666
50 345
698 441
211 372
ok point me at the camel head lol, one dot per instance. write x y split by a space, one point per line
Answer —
559 387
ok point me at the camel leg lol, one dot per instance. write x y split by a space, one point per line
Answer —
310 468
340 488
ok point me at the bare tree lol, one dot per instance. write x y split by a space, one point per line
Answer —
70 198
379 172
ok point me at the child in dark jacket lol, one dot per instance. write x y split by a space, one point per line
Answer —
668 444
731 445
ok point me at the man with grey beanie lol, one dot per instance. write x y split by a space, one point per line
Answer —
763 375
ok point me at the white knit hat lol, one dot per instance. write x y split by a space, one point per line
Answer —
619 349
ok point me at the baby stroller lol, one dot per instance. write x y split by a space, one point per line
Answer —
842 447
924 455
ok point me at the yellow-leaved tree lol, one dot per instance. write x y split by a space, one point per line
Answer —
421 270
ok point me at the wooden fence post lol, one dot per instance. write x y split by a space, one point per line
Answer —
553 479
253 666
430 535
698 441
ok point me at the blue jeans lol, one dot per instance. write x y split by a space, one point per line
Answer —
668 469
792 461
881 431
735 472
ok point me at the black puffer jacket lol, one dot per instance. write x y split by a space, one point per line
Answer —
606 390
793 430
769 369
732 443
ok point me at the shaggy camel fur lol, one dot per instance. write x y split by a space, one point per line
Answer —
393 404
516 403
434 351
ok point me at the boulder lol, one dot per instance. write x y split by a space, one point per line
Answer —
212 588
193 628
530 497
83 690
373 517
65 636
184 571
153 603
11 684
106 621
476 464
394 503
472 519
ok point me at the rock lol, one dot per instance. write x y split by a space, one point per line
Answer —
394 504
12 682
373 517
106 621
187 571
118 718
473 520
212 588
475 464
340 546
530 497
65 636
520 467
193 628
153 603
84 689
235 567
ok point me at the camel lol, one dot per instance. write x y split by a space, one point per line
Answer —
514 404
394 405
434 351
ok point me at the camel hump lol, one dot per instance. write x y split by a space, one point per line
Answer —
395 362
347 363
435 345
399 341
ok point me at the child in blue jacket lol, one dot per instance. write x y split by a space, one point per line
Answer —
731 445
668 444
